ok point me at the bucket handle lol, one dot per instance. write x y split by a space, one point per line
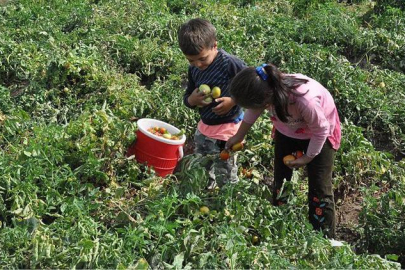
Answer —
181 153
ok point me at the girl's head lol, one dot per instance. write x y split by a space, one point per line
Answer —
256 88
251 91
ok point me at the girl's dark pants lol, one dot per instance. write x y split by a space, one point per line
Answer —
320 191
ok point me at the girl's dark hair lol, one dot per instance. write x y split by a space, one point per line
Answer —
250 91
196 35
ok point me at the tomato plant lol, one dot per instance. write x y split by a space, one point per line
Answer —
76 75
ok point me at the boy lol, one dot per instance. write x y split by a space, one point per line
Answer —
221 118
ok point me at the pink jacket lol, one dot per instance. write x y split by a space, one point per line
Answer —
313 116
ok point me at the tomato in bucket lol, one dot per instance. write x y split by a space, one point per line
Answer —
156 151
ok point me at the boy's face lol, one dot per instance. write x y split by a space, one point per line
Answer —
204 58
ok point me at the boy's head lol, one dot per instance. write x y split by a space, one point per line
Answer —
198 42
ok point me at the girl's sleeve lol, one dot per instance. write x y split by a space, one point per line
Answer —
317 122
251 115
189 90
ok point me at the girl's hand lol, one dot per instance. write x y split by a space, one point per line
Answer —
224 106
239 136
235 139
299 162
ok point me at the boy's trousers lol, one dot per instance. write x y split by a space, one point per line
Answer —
220 171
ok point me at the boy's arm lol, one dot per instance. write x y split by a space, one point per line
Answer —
192 98
224 106
189 90
226 103
235 65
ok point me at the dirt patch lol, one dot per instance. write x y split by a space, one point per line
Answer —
188 147
347 217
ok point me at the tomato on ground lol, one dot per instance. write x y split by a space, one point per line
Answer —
204 210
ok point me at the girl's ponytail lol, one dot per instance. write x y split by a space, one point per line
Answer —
281 92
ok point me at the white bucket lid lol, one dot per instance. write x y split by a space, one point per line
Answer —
145 123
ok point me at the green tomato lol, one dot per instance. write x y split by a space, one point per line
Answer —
216 92
204 88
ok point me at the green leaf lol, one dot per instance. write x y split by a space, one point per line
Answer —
178 261
392 257
142 264
87 243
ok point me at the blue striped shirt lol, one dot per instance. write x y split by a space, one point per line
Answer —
219 73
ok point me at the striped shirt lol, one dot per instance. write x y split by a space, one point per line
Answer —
219 73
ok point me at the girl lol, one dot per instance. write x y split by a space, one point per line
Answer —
304 118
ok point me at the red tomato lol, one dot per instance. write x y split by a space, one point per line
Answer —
247 173
298 154
224 155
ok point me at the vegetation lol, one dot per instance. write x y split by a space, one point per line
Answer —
76 75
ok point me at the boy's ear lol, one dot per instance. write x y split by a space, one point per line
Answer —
215 45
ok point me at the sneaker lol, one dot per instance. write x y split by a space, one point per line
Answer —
335 243
212 185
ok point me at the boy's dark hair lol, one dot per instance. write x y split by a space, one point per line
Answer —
250 91
196 35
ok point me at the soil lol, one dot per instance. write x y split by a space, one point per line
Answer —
188 147
347 218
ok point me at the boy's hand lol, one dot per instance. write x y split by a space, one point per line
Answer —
197 99
224 106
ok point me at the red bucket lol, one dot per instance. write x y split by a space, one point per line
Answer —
160 153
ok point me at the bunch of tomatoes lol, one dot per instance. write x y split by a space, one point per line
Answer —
162 132
288 158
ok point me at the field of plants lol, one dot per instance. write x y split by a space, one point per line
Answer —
76 75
